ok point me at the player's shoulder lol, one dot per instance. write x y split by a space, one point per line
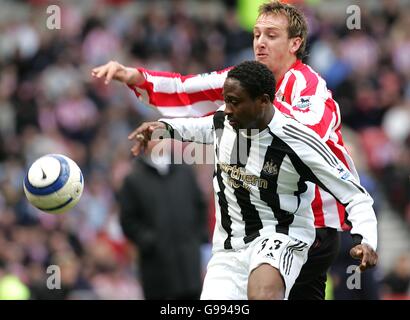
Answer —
303 68
280 120
284 125
304 72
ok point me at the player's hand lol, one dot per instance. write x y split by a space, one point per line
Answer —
366 254
114 70
143 134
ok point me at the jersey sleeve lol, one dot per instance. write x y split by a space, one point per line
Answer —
315 161
175 95
307 99
191 129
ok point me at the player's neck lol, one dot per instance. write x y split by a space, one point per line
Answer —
267 118
284 68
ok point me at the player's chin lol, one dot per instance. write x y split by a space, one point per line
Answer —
234 124
262 58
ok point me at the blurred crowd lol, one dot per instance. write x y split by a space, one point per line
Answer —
50 104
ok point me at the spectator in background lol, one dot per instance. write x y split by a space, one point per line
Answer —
397 282
164 215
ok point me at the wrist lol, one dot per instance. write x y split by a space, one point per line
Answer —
357 239
134 77
168 128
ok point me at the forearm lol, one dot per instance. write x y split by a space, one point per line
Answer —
358 203
191 129
315 161
133 77
175 95
363 220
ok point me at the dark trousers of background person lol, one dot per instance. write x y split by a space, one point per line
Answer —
365 287
311 283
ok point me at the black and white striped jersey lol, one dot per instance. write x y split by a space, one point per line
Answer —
264 183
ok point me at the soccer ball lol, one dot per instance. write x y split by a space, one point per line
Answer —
54 183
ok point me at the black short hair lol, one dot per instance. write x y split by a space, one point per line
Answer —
255 78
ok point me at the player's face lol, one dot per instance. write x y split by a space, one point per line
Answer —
271 44
242 111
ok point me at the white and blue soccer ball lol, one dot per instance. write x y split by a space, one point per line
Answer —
54 183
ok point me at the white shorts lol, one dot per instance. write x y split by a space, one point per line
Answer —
228 271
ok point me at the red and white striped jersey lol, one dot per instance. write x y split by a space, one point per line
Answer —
301 93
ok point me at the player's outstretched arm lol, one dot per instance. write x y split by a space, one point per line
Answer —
314 160
344 187
183 129
172 94
117 71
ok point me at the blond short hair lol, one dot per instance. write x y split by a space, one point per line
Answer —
297 26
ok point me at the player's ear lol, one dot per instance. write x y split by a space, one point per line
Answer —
295 44
265 99
263 103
